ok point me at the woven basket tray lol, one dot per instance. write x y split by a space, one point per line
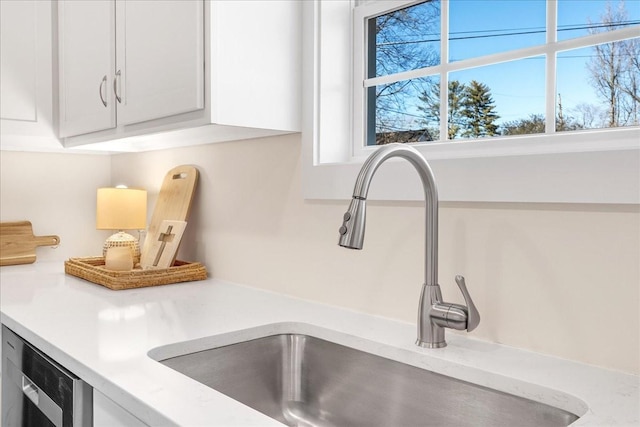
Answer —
92 269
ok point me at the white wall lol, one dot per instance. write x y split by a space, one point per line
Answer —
557 279
57 193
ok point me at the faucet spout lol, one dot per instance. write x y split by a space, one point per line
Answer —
353 236
433 314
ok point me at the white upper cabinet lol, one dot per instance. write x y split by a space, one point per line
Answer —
160 59
177 72
27 119
125 62
18 97
87 47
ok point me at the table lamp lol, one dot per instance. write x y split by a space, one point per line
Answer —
121 209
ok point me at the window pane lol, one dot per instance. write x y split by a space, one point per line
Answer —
478 28
407 39
598 86
577 18
399 113
500 99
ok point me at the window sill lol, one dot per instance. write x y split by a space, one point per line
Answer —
558 143
611 177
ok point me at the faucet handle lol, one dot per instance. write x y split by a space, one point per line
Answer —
473 317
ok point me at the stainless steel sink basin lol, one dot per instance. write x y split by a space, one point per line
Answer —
304 381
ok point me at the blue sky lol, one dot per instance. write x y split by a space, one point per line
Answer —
483 18
523 92
483 27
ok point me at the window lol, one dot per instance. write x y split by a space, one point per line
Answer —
483 66
545 163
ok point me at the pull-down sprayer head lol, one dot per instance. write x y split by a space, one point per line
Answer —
353 224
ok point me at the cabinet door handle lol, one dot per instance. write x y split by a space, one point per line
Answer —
115 89
101 89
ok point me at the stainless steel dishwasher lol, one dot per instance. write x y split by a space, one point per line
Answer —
36 391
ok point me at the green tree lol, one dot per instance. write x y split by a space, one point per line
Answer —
534 124
456 119
479 111
431 107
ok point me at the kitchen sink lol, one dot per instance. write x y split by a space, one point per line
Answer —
301 380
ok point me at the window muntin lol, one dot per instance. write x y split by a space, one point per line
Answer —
542 109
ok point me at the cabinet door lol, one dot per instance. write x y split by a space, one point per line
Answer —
160 58
18 58
87 63
26 102
107 413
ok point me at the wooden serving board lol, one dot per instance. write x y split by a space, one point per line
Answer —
173 204
18 244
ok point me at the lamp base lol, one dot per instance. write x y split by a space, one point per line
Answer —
122 239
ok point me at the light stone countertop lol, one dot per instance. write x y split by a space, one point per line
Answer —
108 338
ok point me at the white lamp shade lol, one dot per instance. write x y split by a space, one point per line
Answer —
121 209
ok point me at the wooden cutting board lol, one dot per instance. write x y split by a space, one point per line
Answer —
173 204
18 244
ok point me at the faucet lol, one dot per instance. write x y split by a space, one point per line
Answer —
434 315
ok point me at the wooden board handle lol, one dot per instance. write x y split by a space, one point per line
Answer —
46 240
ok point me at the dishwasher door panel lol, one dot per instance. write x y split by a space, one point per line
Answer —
36 391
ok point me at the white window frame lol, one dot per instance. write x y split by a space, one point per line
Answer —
597 166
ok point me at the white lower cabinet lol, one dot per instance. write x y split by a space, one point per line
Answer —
107 413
